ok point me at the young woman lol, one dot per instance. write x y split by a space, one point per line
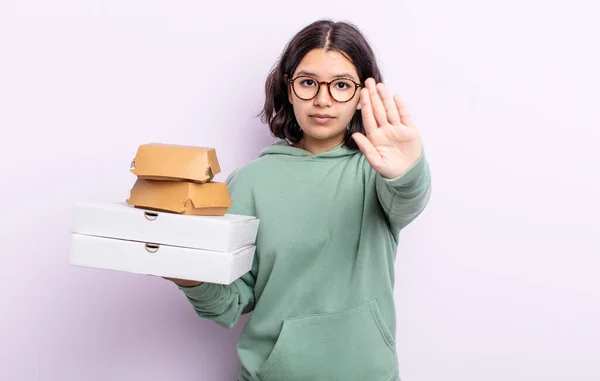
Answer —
332 196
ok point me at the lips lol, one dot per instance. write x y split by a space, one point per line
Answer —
322 119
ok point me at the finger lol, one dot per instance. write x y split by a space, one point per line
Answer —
368 149
376 103
368 118
405 118
391 111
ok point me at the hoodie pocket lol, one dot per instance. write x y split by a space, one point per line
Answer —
354 344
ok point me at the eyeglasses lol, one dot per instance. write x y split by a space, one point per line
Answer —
341 89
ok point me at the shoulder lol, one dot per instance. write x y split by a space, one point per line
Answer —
252 170
248 171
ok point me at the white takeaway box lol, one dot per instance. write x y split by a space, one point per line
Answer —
116 236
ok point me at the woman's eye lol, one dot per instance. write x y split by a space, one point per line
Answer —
342 85
308 82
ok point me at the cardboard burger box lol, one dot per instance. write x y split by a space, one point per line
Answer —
208 199
174 224
178 179
158 161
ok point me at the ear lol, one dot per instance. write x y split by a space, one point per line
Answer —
358 105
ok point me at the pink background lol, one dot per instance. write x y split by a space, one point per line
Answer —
497 280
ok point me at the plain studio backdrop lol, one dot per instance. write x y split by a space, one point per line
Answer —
496 280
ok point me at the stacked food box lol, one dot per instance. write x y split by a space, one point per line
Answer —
174 224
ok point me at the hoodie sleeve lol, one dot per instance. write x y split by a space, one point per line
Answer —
406 196
224 304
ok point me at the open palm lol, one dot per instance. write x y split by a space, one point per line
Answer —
392 144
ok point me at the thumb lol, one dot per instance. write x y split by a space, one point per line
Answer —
368 149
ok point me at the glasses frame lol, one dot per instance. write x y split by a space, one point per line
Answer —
292 80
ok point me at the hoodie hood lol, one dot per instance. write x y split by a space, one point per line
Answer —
282 147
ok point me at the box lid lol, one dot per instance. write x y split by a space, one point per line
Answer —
119 220
175 162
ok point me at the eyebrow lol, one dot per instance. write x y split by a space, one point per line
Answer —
342 75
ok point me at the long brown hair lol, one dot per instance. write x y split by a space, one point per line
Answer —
343 37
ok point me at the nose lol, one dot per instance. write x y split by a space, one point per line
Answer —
323 99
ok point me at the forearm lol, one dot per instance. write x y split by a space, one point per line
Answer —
223 304
406 196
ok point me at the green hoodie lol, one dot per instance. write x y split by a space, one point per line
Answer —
321 285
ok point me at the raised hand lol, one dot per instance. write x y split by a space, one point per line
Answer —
392 144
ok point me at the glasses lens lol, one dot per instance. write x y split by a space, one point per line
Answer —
342 90
306 87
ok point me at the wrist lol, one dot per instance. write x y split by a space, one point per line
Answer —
188 283
184 282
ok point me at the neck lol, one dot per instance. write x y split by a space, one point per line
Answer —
316 146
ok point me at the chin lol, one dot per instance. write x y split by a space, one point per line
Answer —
324 132
320 134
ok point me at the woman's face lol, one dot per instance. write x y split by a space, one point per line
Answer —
322 119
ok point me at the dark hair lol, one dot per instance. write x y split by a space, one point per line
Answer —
343 37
